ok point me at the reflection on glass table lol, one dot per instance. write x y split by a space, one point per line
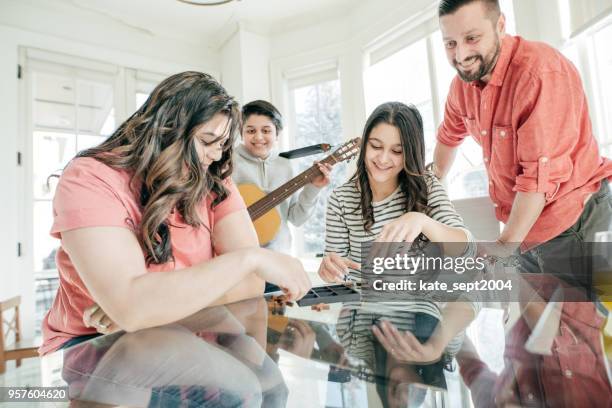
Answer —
257 353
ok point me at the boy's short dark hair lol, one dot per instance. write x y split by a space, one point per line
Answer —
263 108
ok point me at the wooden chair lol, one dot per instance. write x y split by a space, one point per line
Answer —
20 348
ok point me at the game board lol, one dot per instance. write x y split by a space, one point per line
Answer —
329 294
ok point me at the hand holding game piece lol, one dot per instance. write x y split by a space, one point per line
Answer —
334 268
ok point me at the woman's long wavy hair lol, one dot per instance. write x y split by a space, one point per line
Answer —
409 123
157 146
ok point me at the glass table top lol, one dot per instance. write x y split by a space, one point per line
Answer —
263 352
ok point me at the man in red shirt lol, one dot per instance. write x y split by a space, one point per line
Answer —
524 103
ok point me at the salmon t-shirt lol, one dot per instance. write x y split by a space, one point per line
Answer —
92 194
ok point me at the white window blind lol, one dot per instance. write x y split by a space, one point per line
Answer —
312 74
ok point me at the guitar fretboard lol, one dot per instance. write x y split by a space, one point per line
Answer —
260 207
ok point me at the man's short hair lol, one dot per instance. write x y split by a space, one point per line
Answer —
451 6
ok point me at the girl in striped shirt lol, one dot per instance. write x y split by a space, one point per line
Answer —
393 198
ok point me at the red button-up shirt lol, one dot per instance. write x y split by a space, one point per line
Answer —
532 122
573 374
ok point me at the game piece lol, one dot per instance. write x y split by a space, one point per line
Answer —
320 307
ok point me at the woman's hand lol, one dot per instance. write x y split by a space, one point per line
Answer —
404 346
323 179
334 268
95 317
283 270
403 229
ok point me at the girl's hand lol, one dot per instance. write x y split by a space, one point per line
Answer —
334 268
95 317
284 271
403 229
404 347
323 179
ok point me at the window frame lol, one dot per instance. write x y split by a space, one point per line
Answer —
315 74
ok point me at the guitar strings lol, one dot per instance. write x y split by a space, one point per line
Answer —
262 206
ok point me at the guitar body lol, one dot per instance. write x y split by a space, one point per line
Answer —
267 225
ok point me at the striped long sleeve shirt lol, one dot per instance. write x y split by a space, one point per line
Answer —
345 233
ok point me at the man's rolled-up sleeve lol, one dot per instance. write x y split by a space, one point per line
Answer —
548 128
452 130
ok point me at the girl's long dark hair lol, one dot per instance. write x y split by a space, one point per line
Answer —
157 146
407 119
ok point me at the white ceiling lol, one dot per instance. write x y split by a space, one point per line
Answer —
210 25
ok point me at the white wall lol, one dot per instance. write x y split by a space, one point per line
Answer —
255 61
231 71
9 273
245 58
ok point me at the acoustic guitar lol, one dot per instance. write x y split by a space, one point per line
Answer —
261 207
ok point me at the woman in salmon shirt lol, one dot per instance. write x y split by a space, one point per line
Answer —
157 196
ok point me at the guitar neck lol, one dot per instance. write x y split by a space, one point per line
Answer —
274 198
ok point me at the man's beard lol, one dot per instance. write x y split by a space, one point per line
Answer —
486 65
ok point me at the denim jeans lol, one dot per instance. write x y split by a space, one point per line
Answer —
569 256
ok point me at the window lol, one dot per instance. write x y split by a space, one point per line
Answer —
145 83
590 52
141 98
507 7
72 109
404 77
603 66
70 114
317 114
420 74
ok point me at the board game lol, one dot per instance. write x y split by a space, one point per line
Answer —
329 294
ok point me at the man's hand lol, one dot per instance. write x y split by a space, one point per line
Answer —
526 210
444 156
497 251
434 169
